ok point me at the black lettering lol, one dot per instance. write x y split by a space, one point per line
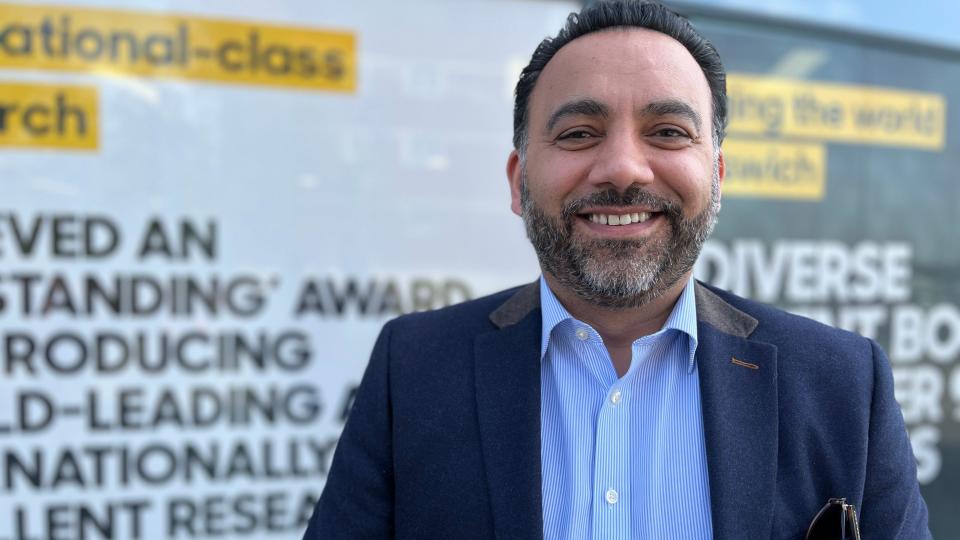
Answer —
101 237
58 298
253 51
130 408
97 294
64 111
124 41
243 507
297 355
89 44
240 463
26 283
146 295
33 126
165 464
307 63
276 511
14 467
35 411
18 349
64 236
334 65
181 516
104 527
16 39
205 241
310 407
205 406
278 60
305 509
158 50
310 300
227 54
46 33
66 341
95 421
25 238
185 363
390 300
58 522
107 361
245 296
4 109
351 294
348 403
422 293
155 241
167 411
67 471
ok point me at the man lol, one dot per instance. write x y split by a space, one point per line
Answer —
616 397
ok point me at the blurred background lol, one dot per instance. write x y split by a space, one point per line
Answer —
210 208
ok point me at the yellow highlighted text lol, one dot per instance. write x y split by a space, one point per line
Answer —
774 169
774 107
174 46
48 116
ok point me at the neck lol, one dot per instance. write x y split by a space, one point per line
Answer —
620 327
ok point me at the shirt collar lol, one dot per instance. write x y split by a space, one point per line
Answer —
683 318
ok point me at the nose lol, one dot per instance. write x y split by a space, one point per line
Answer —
621 161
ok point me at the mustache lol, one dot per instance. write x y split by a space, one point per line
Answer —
633 196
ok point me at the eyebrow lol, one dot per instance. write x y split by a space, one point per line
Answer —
577 107
673 107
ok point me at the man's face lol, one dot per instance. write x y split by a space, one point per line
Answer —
620 183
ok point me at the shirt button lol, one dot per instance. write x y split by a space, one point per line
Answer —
582 334
611 496
615 397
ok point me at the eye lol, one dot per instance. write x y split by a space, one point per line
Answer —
671 132
576 134
577 138
671 137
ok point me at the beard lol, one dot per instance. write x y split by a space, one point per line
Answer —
618 273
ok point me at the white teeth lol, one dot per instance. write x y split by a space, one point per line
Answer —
616 219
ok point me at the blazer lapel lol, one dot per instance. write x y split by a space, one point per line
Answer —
738 394
507 367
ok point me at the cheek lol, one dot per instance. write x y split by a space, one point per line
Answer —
690 179
557 180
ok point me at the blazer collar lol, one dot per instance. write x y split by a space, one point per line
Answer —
507 375
739 403
711 309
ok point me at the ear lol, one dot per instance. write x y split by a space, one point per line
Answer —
515 177
721 167
721 172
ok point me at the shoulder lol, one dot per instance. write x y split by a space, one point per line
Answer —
471 316
449 329
785 329
814 361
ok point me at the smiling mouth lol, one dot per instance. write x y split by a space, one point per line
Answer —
618 219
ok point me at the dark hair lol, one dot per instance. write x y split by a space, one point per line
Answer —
624 14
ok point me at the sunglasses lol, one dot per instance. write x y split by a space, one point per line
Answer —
837 520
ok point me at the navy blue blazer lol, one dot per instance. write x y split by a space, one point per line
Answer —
443 440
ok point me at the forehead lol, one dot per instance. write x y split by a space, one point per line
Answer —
621 66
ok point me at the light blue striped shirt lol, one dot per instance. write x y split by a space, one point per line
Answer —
623 458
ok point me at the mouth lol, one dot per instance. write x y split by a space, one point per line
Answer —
613 219
622 222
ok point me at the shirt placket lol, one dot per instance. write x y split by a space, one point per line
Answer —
611 467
